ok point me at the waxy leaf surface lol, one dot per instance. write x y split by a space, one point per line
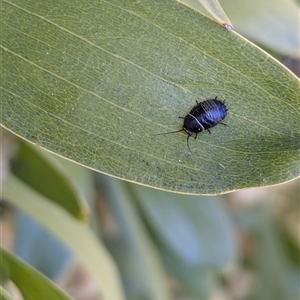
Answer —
93 81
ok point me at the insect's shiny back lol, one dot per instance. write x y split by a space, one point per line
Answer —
203 116
214 110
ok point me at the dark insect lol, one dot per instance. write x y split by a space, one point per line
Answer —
203 116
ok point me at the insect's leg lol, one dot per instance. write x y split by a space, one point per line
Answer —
196 135
187 142
216 98
181 117
223 124
209 131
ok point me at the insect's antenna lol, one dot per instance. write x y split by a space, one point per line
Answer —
169 132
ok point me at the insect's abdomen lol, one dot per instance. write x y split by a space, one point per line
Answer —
212 112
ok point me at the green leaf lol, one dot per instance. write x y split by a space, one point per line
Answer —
32 284
214 8
94 81
37 169
280 279
196 229
77 235
194 234
4 295
133 250
272 25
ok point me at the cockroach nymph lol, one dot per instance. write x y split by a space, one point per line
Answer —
203 116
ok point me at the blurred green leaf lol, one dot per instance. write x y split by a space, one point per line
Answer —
76 235
196 229
291 245
38 247
94 80
79 175
4 295
276 278
138 260
214 8
41 172
274 24
270 23
194 234
32 284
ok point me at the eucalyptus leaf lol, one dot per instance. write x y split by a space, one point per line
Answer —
280 279
93 81
40 171
214 8
274 24
270 23
4 295
77 235
196 229
194 234
136 256
32 284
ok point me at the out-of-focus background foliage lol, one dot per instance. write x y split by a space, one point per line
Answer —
144 244
242 245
